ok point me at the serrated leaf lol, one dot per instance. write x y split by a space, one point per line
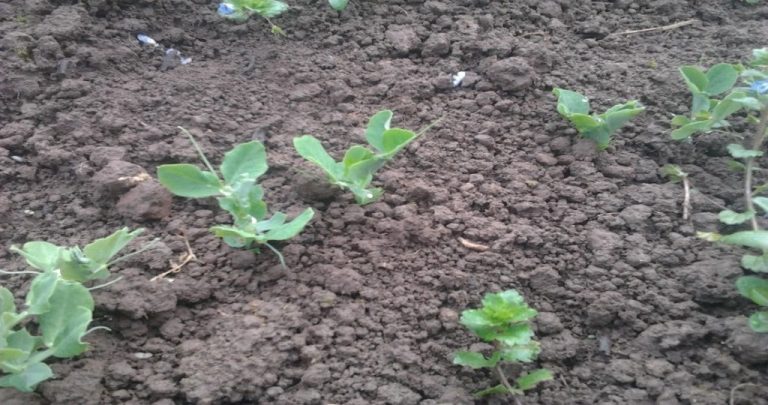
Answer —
694 78
528 381
338 5
759 322
312 150
754 288
571 102
40 292
378 123
245 163
720 78
292 228
187 180
67 320
518 334
673 172
757 264
475 360
104 249
734 218
40 255
27 380
521 353
739 152
753 239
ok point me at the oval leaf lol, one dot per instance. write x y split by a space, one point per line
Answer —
71 308
338 5
571 102
186 180
292 228
720 78
311 149
245 163
734 218
754 288
757 264
694 78
40 255
102 250
475 360
395 139
739 152
753 239
759 322
378 123
530 380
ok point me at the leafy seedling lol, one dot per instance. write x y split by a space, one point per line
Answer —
355 172
241 10
756 289
504 321
238 193
600 128
58 302
338 5
675 174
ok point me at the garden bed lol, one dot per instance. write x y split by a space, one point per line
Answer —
634 308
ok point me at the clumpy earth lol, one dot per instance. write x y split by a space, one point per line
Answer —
634 309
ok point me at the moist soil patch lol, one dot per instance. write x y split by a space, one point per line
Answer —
634 309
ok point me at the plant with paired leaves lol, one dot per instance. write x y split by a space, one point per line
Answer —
241 10
338 5
597 127
238 193
58 302
355 172
752 98
504 320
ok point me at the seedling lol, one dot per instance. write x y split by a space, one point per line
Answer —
355 172
754 100
504 320
338 5
236 192
241 10
58 302
675 174
597 127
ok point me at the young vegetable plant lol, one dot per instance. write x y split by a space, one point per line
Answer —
58 302
504 320
241 10
355 172
236 192
338 5
597 127
752 98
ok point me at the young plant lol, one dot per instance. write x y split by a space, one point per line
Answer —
504 320
241 10
675 174
355 172
338 5
237 193
753 98
58 302
597 127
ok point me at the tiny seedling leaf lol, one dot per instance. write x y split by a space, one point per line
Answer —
475 360
311 149
695 79
673 172
356 154
753 239
689 129
395 139
67 320
292 228
102 250
571 102
754 288
27 380
720 78
734 218
530 380
233 236
245 163
40 255
378 123
757 264
187 180
739 152
338 5
40 292
759 322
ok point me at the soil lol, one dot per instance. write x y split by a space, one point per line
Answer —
634 309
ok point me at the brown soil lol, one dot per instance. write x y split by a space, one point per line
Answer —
634 308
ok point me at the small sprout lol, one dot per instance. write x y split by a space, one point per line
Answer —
504 320
338 5
237 193
756 289
241 10
597 127
355 172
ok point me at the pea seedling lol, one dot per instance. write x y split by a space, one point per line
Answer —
58 301
237 193
504 320
753 98
355 172
241 10
597 127
338 5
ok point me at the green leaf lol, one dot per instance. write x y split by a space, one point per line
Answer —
761 202
277 220
673 172
516 334
700 105
378 123
395 139
233 236
186 180
726 107
27 380
687 130
40 292
245 163
754 288
7 303
753 239
74 265
720 78
759 57
584 123
530 380
40 255
734 218
356 154
679 120
338 5
570 102
739 152
71 308
757 264
20 345
292 228
759 322
104 249
365 196
617 119
695 79
361 173
749 103
496 390
475 360
521 353
312 150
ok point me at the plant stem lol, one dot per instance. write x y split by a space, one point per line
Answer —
757 143
686 198
504 381
199 151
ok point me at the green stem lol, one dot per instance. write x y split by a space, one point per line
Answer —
277 252
757 143
143 249
199 150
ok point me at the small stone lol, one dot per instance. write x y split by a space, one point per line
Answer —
436 45
316 375
548 323
511 74
305 92
242 259
147 201
395 393
162 387
101 155
118 177
403 38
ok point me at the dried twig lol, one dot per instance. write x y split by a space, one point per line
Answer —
472 245
183 260
662 28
